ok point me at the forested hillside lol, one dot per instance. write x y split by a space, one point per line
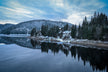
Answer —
96 28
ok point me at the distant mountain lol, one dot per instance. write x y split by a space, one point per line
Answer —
103 10
5 26
24 27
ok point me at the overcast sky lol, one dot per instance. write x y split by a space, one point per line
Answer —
72 11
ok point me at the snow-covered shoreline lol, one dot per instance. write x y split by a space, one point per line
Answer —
84 42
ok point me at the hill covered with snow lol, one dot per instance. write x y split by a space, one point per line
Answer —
5 26
24 27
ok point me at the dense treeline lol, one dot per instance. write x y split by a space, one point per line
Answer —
50 31
96 29
53 31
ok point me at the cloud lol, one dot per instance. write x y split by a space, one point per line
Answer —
20 12
13 12
75 10
72 11
58 3
76 18
7 21
78 9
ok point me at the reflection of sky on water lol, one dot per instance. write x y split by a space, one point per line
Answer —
51 58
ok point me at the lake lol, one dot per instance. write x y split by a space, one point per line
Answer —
21 54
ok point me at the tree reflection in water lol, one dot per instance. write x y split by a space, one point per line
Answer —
97 58
35 44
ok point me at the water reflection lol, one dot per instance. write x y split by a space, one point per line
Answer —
97 58
21 41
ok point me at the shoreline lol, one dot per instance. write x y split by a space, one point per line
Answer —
84 42
103 45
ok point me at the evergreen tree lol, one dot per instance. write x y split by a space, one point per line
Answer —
66 27
85 28
49 31
44 30
53 31
96 29
73 31
79 32
33 32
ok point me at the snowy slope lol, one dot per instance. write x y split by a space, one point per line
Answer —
5 26
25 27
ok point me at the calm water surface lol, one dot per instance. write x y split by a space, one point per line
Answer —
26 55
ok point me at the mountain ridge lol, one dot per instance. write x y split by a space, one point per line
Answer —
5 26
24 27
